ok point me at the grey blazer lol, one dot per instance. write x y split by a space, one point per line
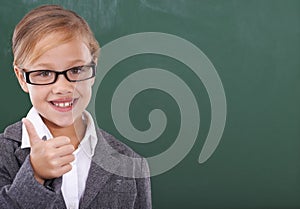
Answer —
104 190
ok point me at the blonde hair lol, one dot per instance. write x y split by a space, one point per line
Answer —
45 20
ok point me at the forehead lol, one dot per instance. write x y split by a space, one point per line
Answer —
50 41
60 51
60 55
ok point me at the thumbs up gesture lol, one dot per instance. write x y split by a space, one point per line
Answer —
49 159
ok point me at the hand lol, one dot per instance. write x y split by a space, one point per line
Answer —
49 159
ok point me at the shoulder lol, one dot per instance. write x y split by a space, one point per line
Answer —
12 134
10 139
11 154
117 145
116 157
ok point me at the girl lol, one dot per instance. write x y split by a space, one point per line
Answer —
49 159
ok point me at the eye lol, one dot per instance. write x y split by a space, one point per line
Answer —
42 73
76 70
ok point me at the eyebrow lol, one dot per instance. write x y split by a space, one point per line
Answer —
51 66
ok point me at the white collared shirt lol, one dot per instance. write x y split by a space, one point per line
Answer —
73 183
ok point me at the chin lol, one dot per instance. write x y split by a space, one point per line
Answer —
61 122
64 124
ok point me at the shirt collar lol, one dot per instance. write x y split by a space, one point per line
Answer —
39 126
88 143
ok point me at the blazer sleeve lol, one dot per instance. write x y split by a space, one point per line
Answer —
143 200
143 185
18 187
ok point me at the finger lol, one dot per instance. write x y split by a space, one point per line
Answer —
59 171
61 161
59 141
33 136
65 150
66 160
64 169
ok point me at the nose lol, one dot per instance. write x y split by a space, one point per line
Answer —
62 85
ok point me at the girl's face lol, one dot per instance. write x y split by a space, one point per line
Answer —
61 103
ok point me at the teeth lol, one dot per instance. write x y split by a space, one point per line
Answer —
63 104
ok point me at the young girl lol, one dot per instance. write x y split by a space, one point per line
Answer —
49 159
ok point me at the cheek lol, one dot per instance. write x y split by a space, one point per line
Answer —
84 89
87 93
36 94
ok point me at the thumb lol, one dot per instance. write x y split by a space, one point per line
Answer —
33 136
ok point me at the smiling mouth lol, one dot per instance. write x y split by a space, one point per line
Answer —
63 104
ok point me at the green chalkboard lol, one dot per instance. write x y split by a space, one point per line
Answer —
243 78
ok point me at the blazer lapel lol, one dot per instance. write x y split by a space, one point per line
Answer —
14 132
21 154
98 177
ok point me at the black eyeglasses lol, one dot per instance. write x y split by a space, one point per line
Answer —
74 74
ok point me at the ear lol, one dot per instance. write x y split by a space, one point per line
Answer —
21 79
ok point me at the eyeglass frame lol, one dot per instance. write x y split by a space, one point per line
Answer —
57 73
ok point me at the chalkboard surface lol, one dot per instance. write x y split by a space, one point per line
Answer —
254 50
